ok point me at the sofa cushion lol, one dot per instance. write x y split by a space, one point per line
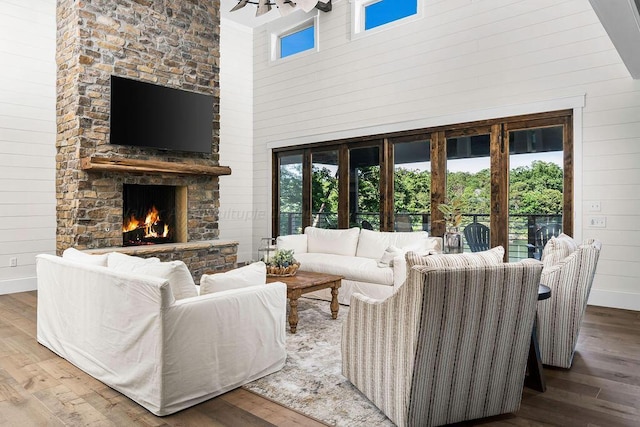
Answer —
249 275
557 249
493 256
387 257
336 242
175 272
350 267
372 244
295 242
76 255
116 260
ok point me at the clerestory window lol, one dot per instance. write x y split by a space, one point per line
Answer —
298 40
385 11
374 14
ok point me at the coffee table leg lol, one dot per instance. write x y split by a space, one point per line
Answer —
293 314
334 302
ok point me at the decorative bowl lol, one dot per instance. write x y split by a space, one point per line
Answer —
275 271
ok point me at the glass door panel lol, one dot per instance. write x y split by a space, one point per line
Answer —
324 189
290 200
469 182
535 189
412 185
364 188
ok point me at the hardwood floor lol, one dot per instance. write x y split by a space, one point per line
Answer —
39 388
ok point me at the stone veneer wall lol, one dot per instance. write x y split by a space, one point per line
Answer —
174 43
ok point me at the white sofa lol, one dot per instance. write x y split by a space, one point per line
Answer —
129 331
356 254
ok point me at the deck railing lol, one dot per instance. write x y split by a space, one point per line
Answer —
522 227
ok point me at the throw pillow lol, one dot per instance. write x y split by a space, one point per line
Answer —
337 242
297 242
372 244
175 272
249 275
422 247
387 257
557 249
117 260
76 255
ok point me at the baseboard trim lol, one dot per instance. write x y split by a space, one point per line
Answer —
614 299
18 285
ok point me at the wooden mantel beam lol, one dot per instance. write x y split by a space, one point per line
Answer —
120 164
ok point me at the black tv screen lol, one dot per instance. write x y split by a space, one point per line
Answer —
148 115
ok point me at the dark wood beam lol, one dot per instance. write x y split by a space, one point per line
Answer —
120 164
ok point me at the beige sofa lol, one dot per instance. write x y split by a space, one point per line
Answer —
356 255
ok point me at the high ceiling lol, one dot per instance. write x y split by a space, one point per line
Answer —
620 18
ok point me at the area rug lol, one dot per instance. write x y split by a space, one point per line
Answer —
311 381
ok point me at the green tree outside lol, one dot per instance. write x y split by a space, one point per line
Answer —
534 189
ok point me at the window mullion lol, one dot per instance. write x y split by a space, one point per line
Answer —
567 191
386 184
438 181
306 189
499 216
343 186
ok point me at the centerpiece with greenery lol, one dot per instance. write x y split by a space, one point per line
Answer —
452 212
282 263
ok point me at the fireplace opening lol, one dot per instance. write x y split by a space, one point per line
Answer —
149 215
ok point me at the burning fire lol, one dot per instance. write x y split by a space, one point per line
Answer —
150 224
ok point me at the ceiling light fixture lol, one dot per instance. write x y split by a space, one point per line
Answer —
285 7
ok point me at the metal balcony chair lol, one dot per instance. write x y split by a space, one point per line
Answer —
477 236
403 222
366 225
542 236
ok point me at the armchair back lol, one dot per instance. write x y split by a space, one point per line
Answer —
450 345
569 271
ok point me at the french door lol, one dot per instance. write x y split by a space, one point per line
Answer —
512 175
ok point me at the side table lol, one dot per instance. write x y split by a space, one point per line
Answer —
535 379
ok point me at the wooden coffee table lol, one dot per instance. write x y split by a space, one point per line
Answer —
304 282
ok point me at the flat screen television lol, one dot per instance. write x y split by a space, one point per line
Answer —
148 115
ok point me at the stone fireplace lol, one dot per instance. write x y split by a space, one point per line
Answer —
167 42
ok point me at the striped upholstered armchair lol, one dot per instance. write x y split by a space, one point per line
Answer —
450 345
569 269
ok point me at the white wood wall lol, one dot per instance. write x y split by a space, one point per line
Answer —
236 137
27 138
465 60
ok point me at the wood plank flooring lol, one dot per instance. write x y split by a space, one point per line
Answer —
38 388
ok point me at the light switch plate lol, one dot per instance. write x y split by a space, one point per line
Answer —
594 206
598 221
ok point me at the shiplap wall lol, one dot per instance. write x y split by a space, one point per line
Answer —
27 138
468 59
236 137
